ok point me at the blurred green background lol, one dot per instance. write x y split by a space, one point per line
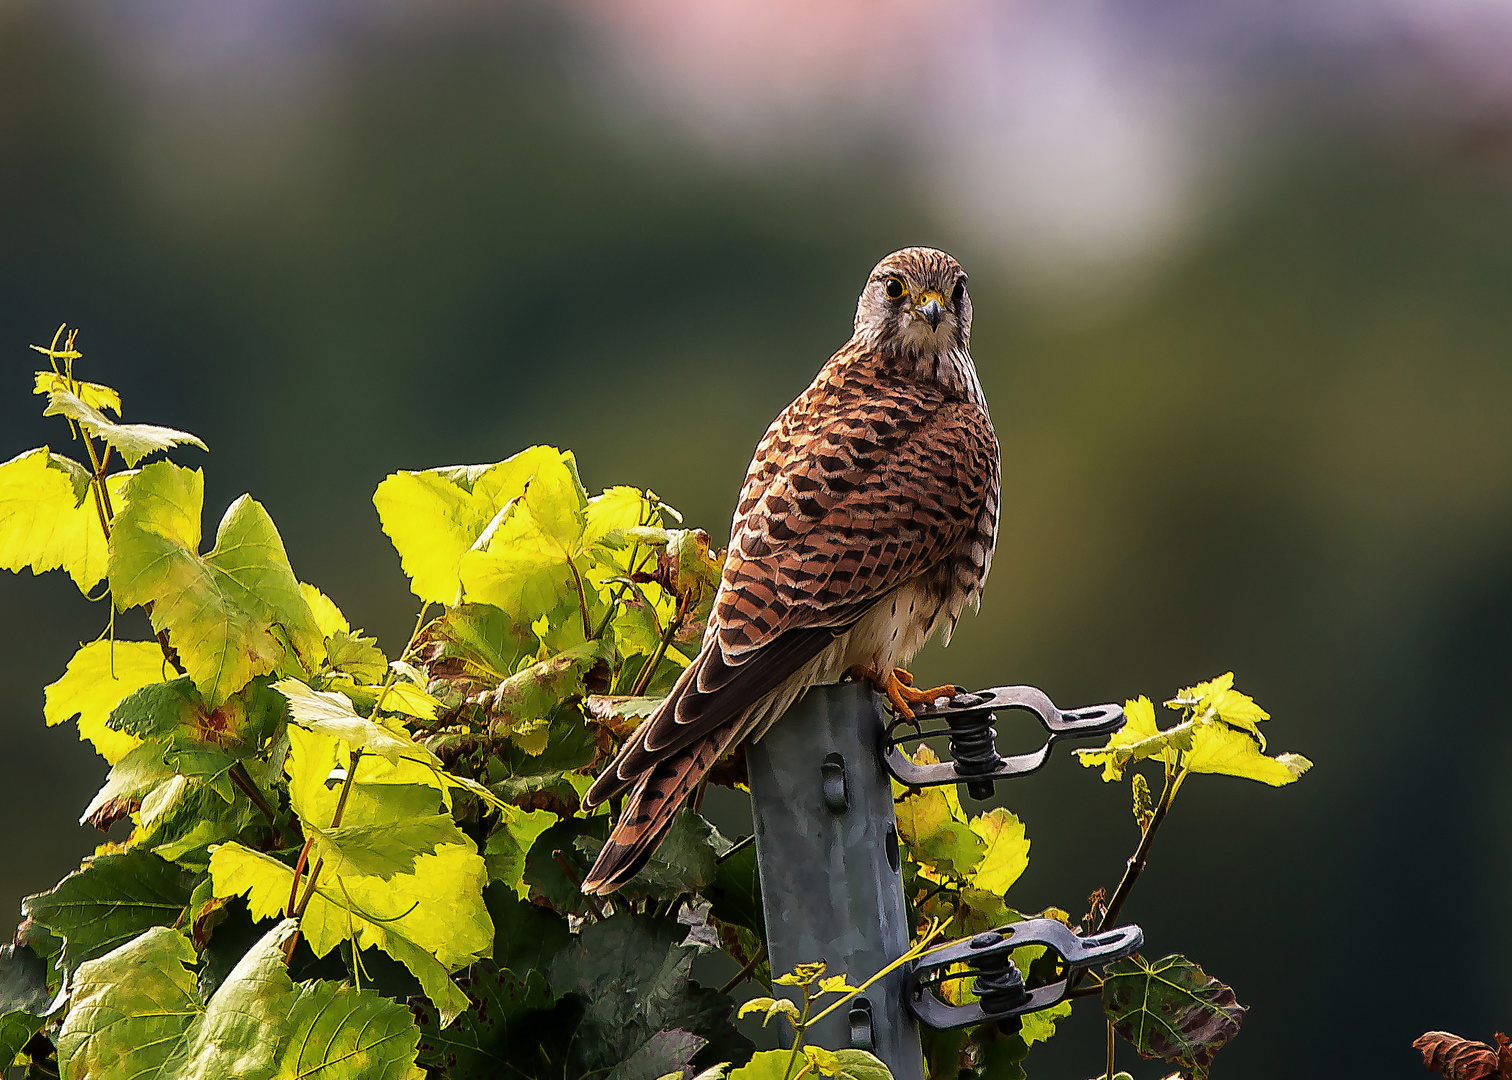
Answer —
1274 436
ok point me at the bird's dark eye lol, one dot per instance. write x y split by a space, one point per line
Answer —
894 288
960 291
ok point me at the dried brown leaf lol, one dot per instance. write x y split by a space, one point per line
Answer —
1456 1057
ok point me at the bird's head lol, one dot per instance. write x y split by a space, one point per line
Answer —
916 301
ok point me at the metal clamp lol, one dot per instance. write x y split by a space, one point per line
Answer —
999 984
969 720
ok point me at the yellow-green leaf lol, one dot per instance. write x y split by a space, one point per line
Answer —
617 509
386 849
510 843
432 921
1218 698
1217 748
407 698
526 565
48 518
92 394
330 713
1144 805
132 441
231 612
99 677
1138 739
327 615
435 516
935 828
1007 850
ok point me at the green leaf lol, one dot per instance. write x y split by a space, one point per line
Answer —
526 936
181 819
1006 854
16 1030
549 883
158 708
131 1009
522 703
109 900
667 1053
631 974
498 1033
510 843
841 1064
765 1065
92 394
1171 1009
942 1052
48 518
136 1013
478 643
1139 738
858 1065
357 656
974 910
934 826
999 1055
23 981
98 678
230 612
546 780
434 517
341 1033
735 892
132 441
1040 1026
1217 748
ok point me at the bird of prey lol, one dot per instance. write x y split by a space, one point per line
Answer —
866 523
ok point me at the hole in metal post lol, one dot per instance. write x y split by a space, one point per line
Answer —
892 847
860 1017
833 773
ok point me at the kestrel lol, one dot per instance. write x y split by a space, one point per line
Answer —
866 523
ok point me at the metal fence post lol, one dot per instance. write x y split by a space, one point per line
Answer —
827 853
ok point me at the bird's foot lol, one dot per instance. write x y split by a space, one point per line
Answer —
898 685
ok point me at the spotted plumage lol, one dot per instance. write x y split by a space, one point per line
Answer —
866 523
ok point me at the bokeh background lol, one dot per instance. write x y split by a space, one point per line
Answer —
1242 277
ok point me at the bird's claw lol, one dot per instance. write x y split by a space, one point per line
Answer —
898 685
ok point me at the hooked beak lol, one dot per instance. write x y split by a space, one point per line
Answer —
932 311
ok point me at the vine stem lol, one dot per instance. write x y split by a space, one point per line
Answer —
647 673
304 901
744 973
577 579
239 777
798 1031
1175 774
1137 861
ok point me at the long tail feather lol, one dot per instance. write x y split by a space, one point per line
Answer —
651 809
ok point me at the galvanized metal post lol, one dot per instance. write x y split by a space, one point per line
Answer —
827 853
